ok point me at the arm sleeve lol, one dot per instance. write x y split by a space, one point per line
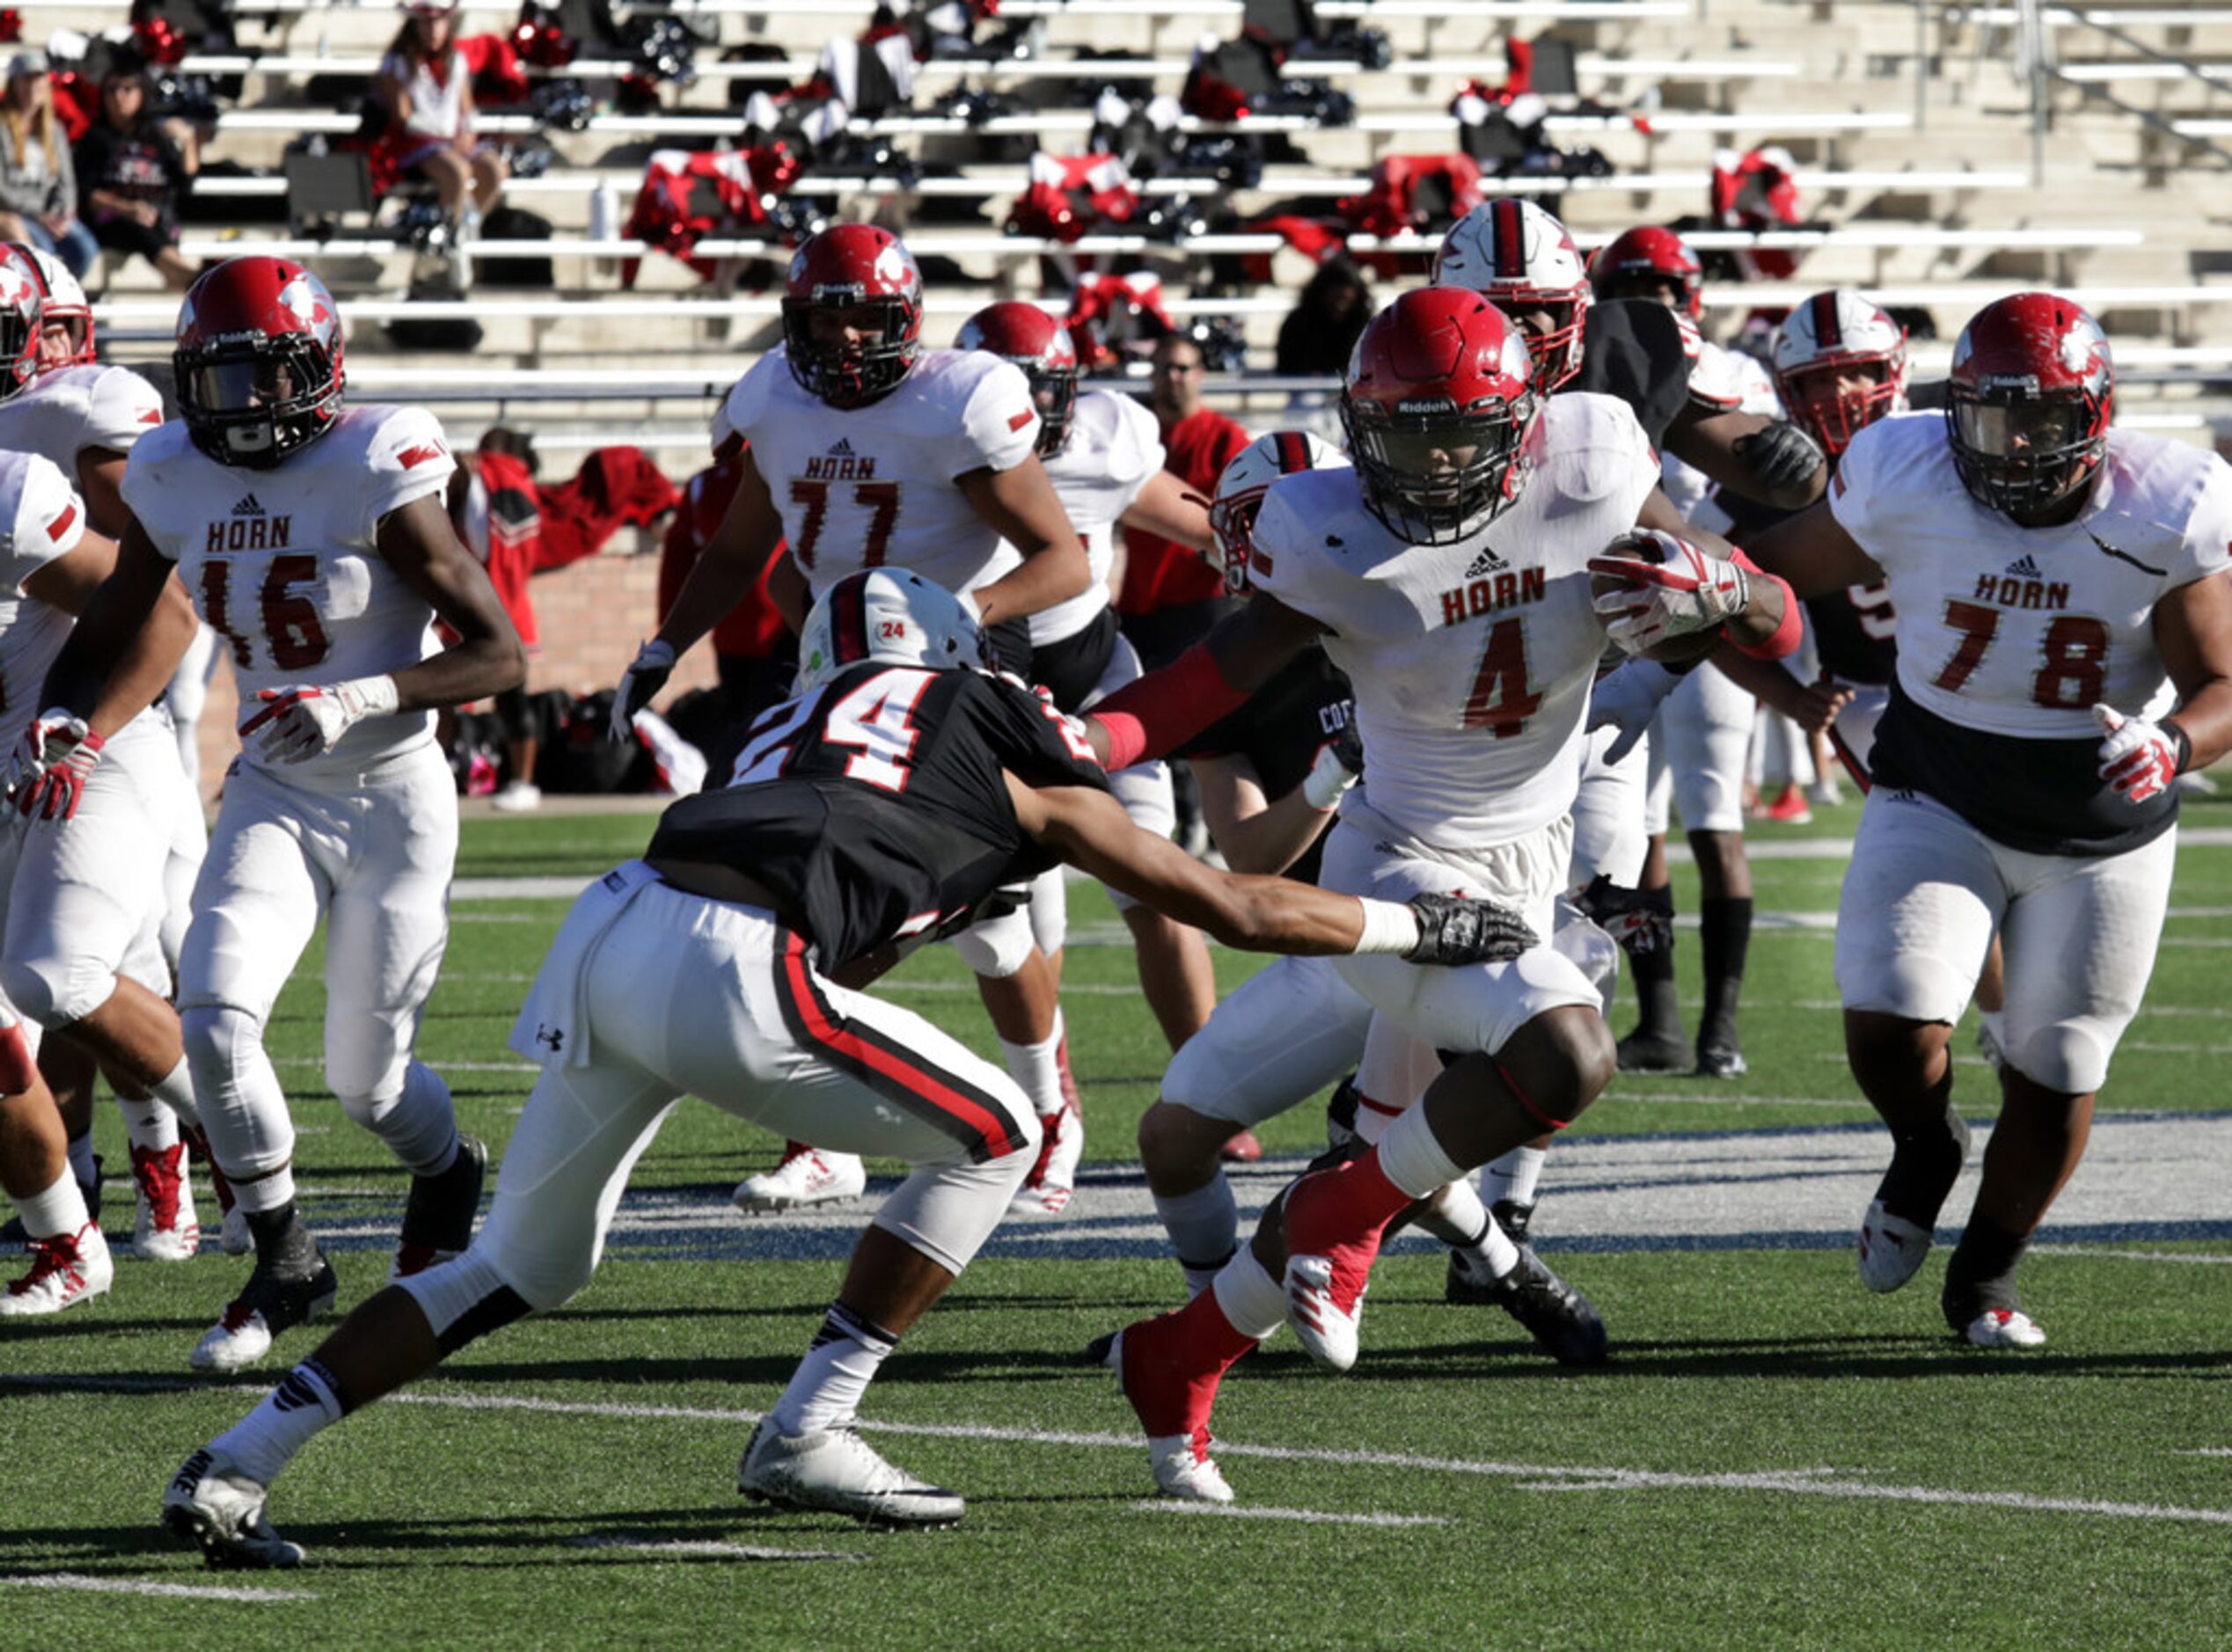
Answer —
741 409
1136 453
49 524
1854 490
148 496
123 408
408 459
998 423
1278 561
2208 530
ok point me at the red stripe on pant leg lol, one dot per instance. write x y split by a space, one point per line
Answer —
1846 756
1380 1107
989 1129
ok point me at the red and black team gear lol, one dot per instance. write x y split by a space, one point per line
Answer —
259 361
872 810
864 272
2029 402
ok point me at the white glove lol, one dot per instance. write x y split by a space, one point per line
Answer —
1627 698
53 760
1339 765
1672 589
2138 758
307 719
645 676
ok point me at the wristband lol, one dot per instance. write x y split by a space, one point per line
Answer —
1784 641
2184 744
1389 926
379 695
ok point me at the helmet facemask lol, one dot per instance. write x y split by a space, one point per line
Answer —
850 373
1834 412
1434 474
255 402
2022 454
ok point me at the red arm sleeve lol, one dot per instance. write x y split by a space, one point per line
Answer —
1165 708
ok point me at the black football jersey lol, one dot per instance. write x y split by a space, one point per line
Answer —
1632 349
1854 628
1281 730
872 810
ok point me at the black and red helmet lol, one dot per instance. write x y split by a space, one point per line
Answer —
865 280
1640 262
1521 259
259 361
2029 402
1040 345
1841 364
1437 406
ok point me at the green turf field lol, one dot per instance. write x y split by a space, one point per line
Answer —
1774 1458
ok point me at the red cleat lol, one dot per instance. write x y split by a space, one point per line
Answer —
1169 1368
1334 1219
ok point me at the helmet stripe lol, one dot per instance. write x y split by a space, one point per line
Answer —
1510 241
1828 334
849 619
1293 452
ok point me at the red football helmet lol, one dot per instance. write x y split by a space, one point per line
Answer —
1036 342
1522 259
259 361
1841 364
1639 263
2027 409
865 283
1437 406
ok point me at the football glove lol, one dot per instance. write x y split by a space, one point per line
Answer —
52 761
1782 457
2138 758
1339 765
1627 698
307 719
1641 920
1672 590
1454 929
646 676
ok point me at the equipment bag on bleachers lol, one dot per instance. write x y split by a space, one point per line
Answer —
510 223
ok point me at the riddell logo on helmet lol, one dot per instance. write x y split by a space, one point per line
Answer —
1426 405
2010 381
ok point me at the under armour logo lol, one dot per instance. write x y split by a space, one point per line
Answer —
551 1038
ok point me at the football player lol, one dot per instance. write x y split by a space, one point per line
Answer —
315 540
57 401
868 451
873 813
1457 561
2064 652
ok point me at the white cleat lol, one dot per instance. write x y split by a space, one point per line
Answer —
1328 1332
1185 1470
165 1228
1052 1183
211 1504
805 1178
2005 1327
837 1471
267 1305
521 797
1891 1250
65 1270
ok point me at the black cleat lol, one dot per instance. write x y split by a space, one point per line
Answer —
437 1222
1720 1059
1514 1218
1642 1051
1559 1318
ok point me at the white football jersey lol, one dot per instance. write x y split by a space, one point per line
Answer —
1114 448
1472 662
872 487
62 414
285 563
44 520
2019 631
1720 381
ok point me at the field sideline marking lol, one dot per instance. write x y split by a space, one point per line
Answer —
138 1586
710 1548
1312 1517
1818 1482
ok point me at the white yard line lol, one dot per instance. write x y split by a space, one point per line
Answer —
139 1586
711 1550
1309 1517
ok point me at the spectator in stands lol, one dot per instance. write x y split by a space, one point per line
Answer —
135 169
38 184
1322 328
427 89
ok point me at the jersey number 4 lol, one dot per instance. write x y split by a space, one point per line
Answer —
290 622
2075 672
1500 701
880 499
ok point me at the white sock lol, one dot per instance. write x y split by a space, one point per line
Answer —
419 1125
81 1159
175 1090
148 1124
265 1192
1204 1227
1410 1157
60 1209
263 1443
1513 1176
825 1391
1253 1303
1038 1068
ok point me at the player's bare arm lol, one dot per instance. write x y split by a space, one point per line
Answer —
1149 717
1021 504
788 589
730 566
417 542
100 484
133 624
1750 453
1169 509
2193 630
1812 554
1813 707
1255 834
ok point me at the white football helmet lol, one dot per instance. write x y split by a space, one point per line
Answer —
1241 490
892 616
1520 259
1841 364
60 299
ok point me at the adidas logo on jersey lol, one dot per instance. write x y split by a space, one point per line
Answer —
248 506
2025 567
1486 562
